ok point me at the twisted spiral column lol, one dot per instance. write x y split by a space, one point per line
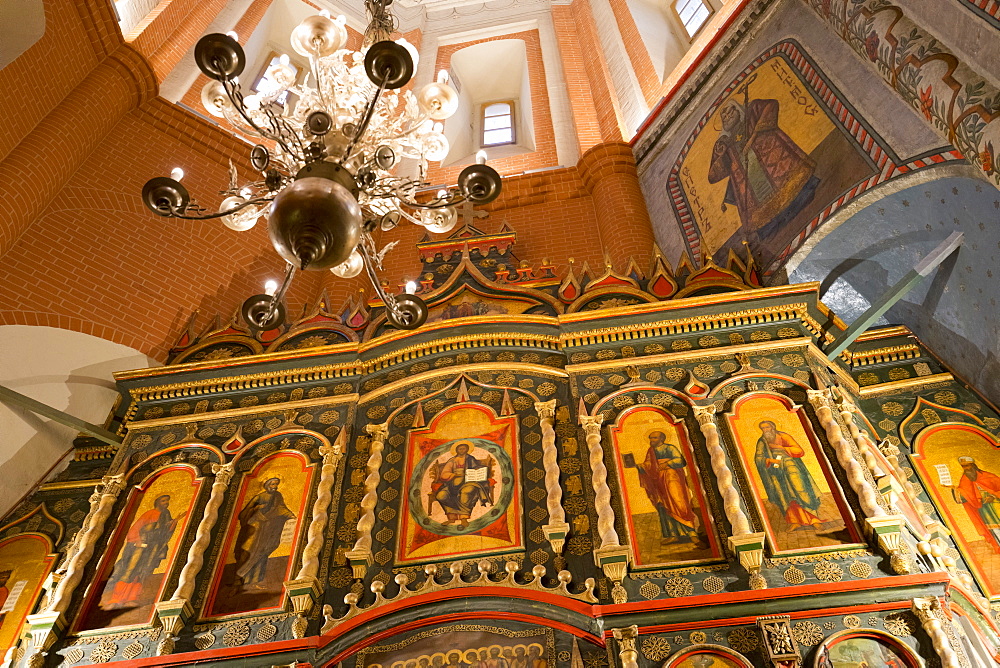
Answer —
599 480
867 496
332 455
928 611
361 556
203 534
611 556
749 546
557 528
46 624
113 486
174 612
723 474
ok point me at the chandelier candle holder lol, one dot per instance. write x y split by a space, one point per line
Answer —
328 162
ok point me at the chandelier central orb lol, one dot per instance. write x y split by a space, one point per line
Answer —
315 223
332 155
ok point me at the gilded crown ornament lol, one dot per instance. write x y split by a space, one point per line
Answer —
329 152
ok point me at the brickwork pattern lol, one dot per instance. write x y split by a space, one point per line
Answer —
638 54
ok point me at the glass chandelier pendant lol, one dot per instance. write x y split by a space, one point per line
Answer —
327 162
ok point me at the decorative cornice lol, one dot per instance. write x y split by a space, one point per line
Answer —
232 413
246 382
882 355
905 385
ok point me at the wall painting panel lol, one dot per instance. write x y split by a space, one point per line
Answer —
261 541
144 546
796 494
774 149
463 497
959 465
856 649
665 503
464 645
25 561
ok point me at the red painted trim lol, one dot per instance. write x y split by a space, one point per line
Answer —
679 84
458 616
770 594
194 658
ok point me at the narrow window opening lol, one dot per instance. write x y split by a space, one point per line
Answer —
498 123
693 14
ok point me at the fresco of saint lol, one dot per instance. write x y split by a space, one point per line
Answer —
145 548
460 484
786 478
661 475
262 521
979 492
770 177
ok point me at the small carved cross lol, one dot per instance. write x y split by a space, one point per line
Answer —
469 214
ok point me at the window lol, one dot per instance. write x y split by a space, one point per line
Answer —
693 14
498 123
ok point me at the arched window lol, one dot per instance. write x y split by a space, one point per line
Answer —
498 123
693 14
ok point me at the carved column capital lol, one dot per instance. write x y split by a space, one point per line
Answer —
592 423
331 454
820 398
705 414
378 432
223 473
627 652
546 409
112 485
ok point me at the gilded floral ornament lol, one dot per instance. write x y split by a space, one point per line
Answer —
655 648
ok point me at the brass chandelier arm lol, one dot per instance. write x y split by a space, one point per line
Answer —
236 97
365 120
179 213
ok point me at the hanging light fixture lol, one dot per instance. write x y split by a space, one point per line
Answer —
327 164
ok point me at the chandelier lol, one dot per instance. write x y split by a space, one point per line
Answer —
330 163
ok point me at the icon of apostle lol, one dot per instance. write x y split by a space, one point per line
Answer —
661 475
146 545
261 523
979 492
786 478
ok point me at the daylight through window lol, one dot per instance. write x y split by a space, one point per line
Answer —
498 123
693 14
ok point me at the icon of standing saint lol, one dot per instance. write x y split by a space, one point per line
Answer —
262 522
